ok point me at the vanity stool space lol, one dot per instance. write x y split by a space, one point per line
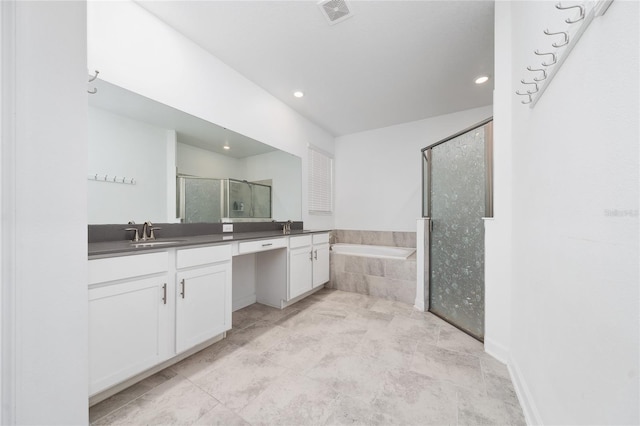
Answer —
152 307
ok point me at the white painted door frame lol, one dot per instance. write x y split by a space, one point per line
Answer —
7 225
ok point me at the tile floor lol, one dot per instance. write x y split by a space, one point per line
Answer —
333 358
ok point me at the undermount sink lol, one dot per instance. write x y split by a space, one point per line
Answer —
154 243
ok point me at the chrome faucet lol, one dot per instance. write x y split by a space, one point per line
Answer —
286 227
148 226
136 238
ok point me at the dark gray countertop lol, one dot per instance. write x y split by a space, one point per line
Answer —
128 247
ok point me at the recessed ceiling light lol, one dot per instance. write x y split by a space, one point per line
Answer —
226 147
482 79
298 94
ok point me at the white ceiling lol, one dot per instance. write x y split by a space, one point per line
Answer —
392 62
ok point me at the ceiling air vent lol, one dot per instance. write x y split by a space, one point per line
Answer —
335 10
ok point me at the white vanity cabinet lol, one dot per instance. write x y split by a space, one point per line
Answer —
320 259
129 315
308 263
203 294
145 309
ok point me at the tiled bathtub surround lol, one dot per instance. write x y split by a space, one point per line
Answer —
393 279
374 238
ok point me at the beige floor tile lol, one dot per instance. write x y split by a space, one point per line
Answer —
453 339
350 411
245 317
311 323
221 416
485 410
124 397
259 336
392 307
239 380
292 400
454 367
414 399
416 329
368 319
356 375
333 358
387 347
297 352
493 366
175 402
201 363
349 299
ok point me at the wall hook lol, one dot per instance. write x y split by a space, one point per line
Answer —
544 73
94 77
525 94
568 20
553 57
530 82
563 43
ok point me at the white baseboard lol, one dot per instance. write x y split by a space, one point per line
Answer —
496 350
243 302
531 413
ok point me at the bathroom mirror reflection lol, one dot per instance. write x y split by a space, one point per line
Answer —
138 148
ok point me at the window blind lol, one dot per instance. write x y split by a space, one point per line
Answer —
320 182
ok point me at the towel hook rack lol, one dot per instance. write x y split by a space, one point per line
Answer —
91 78
544 73
553 57
563 43
568 20
94 76
525 94
530 82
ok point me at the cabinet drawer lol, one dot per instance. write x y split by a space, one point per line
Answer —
117 268
261 245
302 241
203 255
320 238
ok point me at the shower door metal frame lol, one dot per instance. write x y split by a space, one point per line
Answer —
488 146
426 155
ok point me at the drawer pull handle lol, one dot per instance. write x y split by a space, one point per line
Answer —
311 255
315 254
267 244
182 292
164 294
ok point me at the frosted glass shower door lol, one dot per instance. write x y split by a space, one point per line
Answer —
457 202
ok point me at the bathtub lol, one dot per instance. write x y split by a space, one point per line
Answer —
384 252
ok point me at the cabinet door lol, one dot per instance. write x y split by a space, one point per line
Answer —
320 264
299 271
203 305
127 330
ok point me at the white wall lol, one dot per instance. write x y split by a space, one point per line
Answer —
575 330
378 174
46 186
148 57
497 237
286 183
121 146
200 162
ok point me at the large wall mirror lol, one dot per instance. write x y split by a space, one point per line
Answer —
149 161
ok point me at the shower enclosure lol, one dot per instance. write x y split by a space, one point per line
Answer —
217 200
457 194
